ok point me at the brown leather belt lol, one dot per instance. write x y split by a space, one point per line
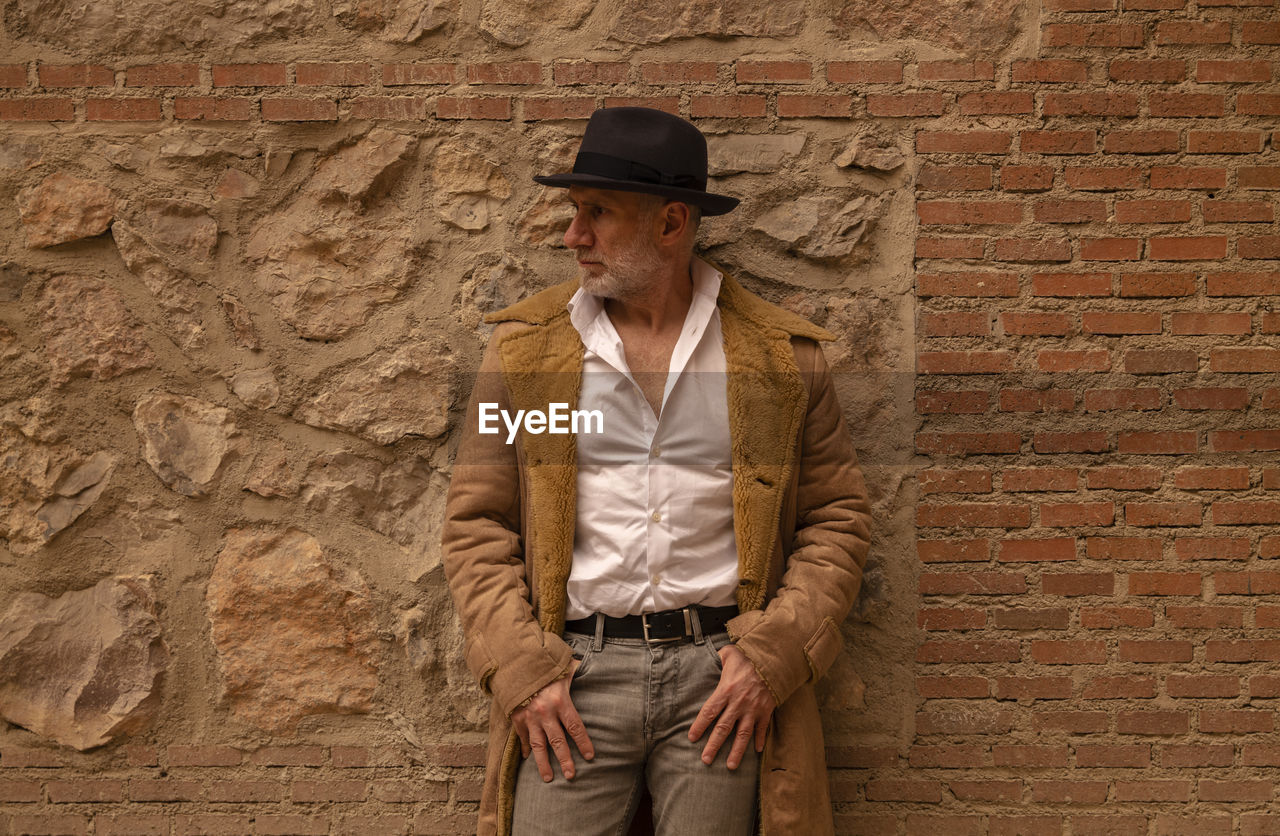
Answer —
665 626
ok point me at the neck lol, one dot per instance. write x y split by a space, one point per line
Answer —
662 305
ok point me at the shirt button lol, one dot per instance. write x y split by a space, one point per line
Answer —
657 517
656 451
657 579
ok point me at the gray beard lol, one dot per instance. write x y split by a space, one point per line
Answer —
631 275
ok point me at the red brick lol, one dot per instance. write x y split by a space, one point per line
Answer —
299 110
290 825
957 71
1026 178
968 212
1165 583
13 75
1119 688
249 75
1159 442
1215 398
1187 177
805 105
1246 513
1211 478
907 104
1037 400
935 651
1068 652
861 757
967 284
1124 548
1071 212
179 755
19 792
302 755
1073 514
973 584
1090 104
314 792
1071 722
1244 360
973 515
1153 722
1237 790
1162 513
954 324
1112 618
49 824
755 72
1225 142
1067 360
131 824
85 790
1049 549
1024 755
1204 618
213 108
1153 212
1100 178
1238 211
1260 32
1050 71
590 72
163 789
964 362
1160 361
1136 755
986 790
1187 104
122 110
1120 322
966 444
1259 177
560 107
398 74
953 551
952 247
391 108
678 72
1157 790
958 756
941 480
963 142
42 109
1110 249
1135 285
513 72
864 72
1191 755
245 792
383 825
162 75
1123 478
951 618
1244 441
1070 442
1107 35
1209 71
959 403
997 102
1258 104
727 106
14 757
1243 284
670 104
334 73
954 177
1187 322
1218 721
452 107
1159 70
1141 142
1192 32
1032 250
75 75
1046 791
1056 618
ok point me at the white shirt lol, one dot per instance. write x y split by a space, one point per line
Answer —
655 496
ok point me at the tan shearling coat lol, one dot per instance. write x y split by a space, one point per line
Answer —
801 523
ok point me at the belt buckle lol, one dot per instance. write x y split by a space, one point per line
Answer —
644 623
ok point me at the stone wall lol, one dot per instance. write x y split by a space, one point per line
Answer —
245 249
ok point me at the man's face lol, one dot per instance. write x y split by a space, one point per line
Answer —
615 237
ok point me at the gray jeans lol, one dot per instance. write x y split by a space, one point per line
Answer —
637 702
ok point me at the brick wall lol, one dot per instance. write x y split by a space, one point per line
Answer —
1086 576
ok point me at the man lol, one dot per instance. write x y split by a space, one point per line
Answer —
651 604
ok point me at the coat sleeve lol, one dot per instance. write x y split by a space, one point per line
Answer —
796 637
506 649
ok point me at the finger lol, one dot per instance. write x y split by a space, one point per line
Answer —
559 746
538 744
707 715
741 740
522 732
577 730
719 734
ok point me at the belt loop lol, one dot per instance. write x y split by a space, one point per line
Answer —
597 644
692 615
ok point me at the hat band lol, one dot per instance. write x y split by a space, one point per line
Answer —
616 168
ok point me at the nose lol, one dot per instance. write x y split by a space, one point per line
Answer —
578 234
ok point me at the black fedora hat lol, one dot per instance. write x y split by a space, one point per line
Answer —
639 149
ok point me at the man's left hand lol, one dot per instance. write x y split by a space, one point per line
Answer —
740 706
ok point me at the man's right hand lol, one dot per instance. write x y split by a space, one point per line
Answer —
545 723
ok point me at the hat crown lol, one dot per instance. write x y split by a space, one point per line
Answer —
653 138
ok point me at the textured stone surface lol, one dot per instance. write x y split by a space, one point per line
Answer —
184 439
173 288
755 153
403 500
327 263
821 226
492 287
516 22
271 474
257 388
88 331
82 669
182 229
469 188
654 21
397 21
19 153
295 634
44 487
392 394
111 26
871 153
969 26
242 330
62 208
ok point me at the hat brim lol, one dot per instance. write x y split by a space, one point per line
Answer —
710 204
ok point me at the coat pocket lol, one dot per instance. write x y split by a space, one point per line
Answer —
480 661
822 647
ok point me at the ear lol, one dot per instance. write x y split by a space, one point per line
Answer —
675 219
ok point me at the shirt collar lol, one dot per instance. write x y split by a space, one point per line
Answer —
585 309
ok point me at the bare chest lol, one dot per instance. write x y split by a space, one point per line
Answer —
650 361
